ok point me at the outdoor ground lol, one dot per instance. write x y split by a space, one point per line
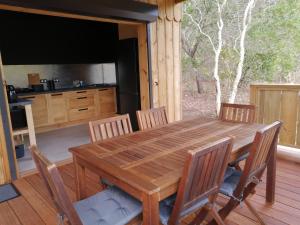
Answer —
203 104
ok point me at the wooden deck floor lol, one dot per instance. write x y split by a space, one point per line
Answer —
34 207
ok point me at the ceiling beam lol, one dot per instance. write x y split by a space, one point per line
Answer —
116 9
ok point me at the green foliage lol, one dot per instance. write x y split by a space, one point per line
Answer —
274 42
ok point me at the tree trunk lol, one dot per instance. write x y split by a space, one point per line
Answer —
239 71
217 83
217 58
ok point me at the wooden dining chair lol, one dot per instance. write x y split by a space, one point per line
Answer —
202 177
110 127
151 118
111 206
237 113
241 114
239 185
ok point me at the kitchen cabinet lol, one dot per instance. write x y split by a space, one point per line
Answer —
62 109
107 101
39 109
81 105
57 108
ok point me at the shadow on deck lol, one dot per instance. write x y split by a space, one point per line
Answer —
34 206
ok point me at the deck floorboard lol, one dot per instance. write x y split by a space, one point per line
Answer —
34 205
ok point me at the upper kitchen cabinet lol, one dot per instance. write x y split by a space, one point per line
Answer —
36 39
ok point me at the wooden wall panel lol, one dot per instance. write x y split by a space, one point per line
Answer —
166 69
271 106
279 102
288 110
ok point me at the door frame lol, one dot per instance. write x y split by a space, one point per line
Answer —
146 97
9 170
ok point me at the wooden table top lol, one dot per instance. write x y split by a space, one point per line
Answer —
152 160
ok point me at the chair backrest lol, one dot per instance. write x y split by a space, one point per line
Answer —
237 113
203 174
55 186
263 147
151 118
110 127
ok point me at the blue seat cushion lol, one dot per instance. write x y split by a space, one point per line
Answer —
166 206
239 159
229 171
231 180
109 207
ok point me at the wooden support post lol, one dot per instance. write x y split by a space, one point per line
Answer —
30 124
143 66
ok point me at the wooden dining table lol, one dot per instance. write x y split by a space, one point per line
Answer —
148 164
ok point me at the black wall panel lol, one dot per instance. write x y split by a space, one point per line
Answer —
37 39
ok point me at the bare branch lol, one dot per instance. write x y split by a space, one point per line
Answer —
201 31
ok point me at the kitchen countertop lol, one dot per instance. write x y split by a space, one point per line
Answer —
21 102
95 86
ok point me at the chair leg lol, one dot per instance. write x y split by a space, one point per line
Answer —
200 216
231 205
254 212
217 217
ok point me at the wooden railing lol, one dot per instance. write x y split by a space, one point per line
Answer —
279 102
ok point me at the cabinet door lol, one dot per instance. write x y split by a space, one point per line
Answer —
39 109
107 101
57 108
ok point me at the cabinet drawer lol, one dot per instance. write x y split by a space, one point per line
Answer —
81 93
82 113
81 101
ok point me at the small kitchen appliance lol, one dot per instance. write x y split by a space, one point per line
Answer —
11 94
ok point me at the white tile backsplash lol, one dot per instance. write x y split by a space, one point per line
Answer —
89 73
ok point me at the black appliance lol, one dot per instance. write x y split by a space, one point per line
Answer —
11 94
37 87
50 85
18 117
128 79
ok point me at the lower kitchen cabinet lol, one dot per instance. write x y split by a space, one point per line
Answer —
39 109
62 109
107 102
57 108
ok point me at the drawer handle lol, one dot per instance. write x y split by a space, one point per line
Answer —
31 97
81 97
57 94
81 92
83 109
103 89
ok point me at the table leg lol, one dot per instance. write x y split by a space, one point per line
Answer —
151 209
271 177
80 181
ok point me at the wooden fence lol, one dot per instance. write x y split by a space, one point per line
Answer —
279 102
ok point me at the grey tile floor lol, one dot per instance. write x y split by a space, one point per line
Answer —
55 145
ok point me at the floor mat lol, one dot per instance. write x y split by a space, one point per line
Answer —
7 192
